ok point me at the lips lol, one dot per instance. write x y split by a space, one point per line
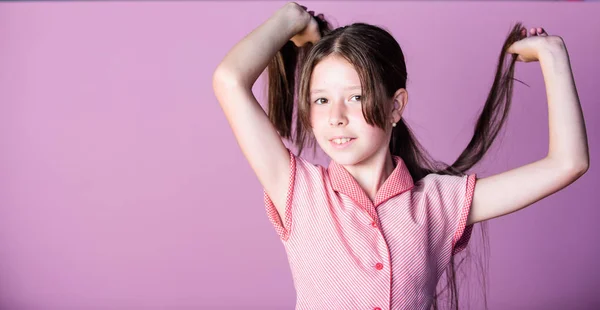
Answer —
341 137
341 142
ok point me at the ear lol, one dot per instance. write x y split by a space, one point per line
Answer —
399 103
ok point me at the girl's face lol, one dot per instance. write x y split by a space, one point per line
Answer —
336 112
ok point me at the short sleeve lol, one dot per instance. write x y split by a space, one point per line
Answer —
463 232
283 228
448 201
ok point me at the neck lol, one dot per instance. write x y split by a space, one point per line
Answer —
372 173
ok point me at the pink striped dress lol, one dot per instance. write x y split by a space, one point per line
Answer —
348 252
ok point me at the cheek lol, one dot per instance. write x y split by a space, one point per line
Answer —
373 133
355 115
317 117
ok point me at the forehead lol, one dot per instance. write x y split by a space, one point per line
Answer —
334 73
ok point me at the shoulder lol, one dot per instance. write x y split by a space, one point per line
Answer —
302 163
306 172
434 180
445 187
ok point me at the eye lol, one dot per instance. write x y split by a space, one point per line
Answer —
317 101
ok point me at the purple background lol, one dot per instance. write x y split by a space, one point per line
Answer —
122 186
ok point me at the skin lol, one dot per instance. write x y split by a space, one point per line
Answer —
336 111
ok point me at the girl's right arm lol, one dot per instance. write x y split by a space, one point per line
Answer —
232 84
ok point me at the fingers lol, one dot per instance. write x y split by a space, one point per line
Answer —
312 13
532 31
539 31
542 32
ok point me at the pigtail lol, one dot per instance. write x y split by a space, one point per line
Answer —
281 88
283 73
495 110
491 120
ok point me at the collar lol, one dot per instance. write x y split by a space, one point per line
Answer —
397 182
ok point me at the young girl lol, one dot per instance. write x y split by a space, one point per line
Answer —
378 226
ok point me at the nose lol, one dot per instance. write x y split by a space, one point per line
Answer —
337 115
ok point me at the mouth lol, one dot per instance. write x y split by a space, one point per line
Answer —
341 142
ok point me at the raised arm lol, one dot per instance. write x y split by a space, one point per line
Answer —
567 157
232 84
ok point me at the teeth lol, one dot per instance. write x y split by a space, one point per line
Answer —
341 140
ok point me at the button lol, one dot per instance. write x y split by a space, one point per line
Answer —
374 224
379 266
377 308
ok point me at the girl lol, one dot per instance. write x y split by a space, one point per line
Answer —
378 226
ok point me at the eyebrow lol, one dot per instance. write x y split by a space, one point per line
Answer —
314 91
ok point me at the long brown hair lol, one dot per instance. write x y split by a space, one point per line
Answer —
379 62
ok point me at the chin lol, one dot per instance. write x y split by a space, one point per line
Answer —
345 158
352 156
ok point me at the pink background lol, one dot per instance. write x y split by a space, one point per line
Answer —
122 186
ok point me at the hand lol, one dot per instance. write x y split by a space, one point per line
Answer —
528 48
308 27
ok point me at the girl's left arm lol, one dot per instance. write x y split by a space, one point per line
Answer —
567 157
